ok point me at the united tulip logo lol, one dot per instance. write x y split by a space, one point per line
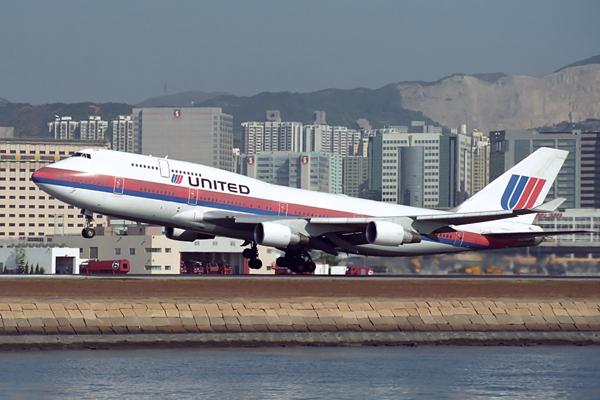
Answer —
521 192
176 178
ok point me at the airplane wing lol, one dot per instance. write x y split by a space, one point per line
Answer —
344 233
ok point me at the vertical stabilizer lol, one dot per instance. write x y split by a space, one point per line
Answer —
523 186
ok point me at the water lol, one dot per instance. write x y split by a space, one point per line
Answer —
425 372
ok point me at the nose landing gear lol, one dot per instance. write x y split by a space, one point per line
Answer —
88 232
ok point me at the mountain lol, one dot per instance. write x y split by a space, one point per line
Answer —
591 60
499 101
184 99
484 102
343 107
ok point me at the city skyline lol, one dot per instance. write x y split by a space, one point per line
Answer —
67 51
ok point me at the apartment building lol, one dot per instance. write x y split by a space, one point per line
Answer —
311 171
122 134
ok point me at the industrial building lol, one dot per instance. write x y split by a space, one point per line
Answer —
52 260
151 253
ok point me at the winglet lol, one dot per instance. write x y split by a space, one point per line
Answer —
550 206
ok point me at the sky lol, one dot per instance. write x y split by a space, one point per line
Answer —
128 51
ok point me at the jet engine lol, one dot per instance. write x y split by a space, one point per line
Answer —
385 233
185 235
275 235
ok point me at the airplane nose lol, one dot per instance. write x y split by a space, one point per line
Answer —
37 175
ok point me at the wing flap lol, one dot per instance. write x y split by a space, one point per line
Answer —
533 234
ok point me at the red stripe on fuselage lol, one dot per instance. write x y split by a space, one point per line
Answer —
183 193
466 238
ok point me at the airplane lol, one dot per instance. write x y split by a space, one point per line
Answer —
195 202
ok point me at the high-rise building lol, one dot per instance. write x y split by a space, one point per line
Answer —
291 137
510 147
420 169
196 134
356 176
63 128
93 129
481 162
274 135
455 168
590 170
122 134
310 171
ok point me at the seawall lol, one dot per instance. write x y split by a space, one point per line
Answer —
96 322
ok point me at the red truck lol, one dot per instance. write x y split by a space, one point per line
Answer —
359 271
113 267
224 269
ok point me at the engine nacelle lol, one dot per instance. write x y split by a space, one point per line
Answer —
275 235
185 235
385 233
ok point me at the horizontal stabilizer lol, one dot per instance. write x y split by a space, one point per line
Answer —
550 206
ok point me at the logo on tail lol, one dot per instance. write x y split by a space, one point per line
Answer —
521 192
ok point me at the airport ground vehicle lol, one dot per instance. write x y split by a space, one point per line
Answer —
355 270
195 268
111 267
224 269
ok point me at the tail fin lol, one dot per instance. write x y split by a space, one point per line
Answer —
523 186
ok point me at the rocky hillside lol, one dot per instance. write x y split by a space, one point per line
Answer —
499 101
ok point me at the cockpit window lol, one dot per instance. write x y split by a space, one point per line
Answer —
84 155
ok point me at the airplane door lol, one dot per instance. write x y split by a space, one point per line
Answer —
283 209
193 197
119 185
459 238
164 168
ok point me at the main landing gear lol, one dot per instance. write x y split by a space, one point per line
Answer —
88 232
252 255
297 261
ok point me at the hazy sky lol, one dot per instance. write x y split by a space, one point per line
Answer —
126 51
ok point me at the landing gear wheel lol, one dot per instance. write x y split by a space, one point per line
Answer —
249 253
298 261
88 233
252 255
254 263
282 262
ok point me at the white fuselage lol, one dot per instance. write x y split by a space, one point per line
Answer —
178 194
